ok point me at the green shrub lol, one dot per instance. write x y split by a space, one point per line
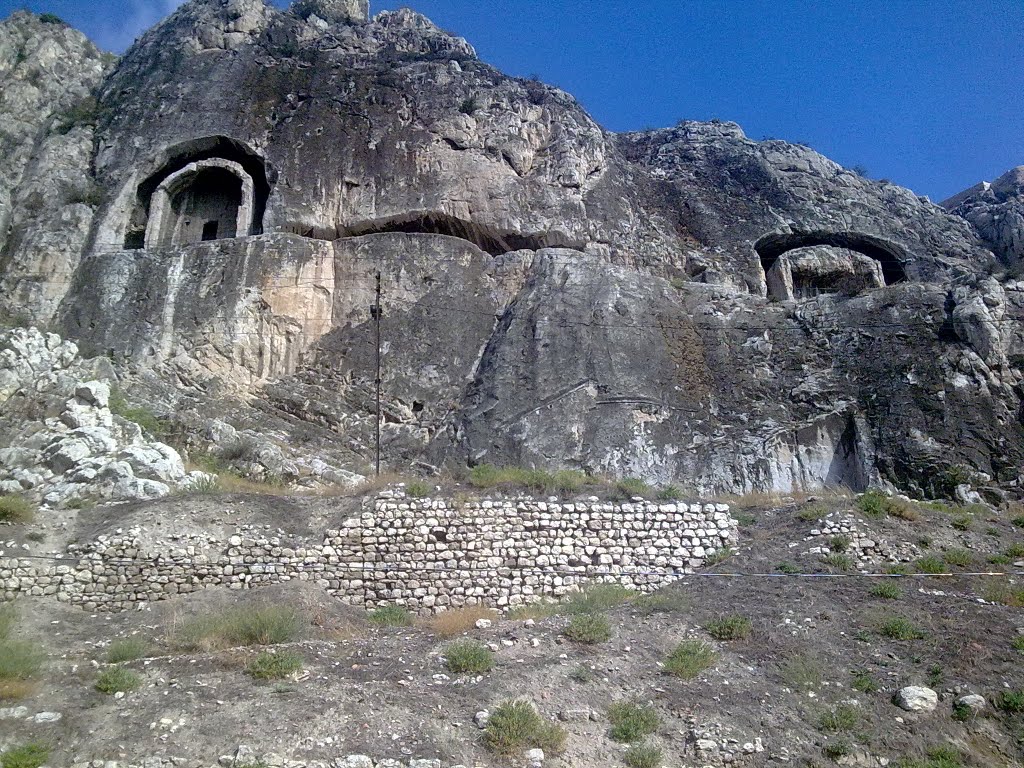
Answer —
887 590
274 666
484 476
689 659
597 598
589 629
50 18
999 559
836 749
802 672
839 543
899 628
84 112
962 522
630 721
417 489
1018 521
842 718
958 557
251 625
930 564
632 486
582 674
899 569
31 755
144 417
391 616
670 493
1017 643
936 757
787 568
719 556
1007 594
128 649
643 756
20 663
811 514
566 482
16 509
730 628
861 680
962 713
468 656
515 726
1015 550
1010 701
876 504
8 620
468 106
838 561
117 680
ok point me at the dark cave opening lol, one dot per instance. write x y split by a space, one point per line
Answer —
891 257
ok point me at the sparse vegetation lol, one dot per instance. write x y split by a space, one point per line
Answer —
84 112
455 621
144 417
930 564
900 628
50 18
1010 701
31 755
582 674
842 718
589 629
244 626
595 598
274 665
936 757
632 486
515 726
802 672
838 561
811 514
1017 643
630 721
468 656
128 649
667 601
1005 593
877 504
117 680
839 543
887 590
730 628
418 489
643 756
689 659
962 522
469 105
20 660
787 568
836 749
391 616
670 493
961 558
718 556
861 680
1015 550
16 509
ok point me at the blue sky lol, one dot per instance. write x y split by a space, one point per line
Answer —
928 93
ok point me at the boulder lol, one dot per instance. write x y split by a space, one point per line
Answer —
916 698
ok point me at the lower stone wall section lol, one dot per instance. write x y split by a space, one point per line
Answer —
423 554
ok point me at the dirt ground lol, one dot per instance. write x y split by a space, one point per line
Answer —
385 692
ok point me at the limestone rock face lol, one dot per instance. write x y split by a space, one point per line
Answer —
47 194
686 304
996 211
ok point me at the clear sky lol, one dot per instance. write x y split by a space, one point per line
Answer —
927 93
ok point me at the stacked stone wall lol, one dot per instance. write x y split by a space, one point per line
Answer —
424 554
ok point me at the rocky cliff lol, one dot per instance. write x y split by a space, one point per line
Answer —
685 305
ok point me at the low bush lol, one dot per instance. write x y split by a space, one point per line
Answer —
564 482
667 601
128 649
589 629
31 755
729 628
787 568
900 628
468 656
718 556
689 659
141 415
582 674
1017 643
842 718
391 616
117 680
1010 701
839 543
274 666
20 664
876 504
643 756
1005 593
628 487
936 757
630 721
887 590
515 726
1018 521
251 625
670 493
418 489
838 561
1015 550
16 509
811 514
962 522
50 18
837 749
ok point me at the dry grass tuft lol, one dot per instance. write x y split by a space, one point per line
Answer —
459 620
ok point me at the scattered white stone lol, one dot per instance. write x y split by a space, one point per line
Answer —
973 701
917 698
483 623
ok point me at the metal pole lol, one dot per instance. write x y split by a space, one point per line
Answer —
376 315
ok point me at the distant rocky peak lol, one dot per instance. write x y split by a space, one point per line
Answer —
333 11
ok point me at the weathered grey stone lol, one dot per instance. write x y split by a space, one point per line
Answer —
916 698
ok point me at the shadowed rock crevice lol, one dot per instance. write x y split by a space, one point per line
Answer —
770 247
489 239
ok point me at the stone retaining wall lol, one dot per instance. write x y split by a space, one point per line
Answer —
424 554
